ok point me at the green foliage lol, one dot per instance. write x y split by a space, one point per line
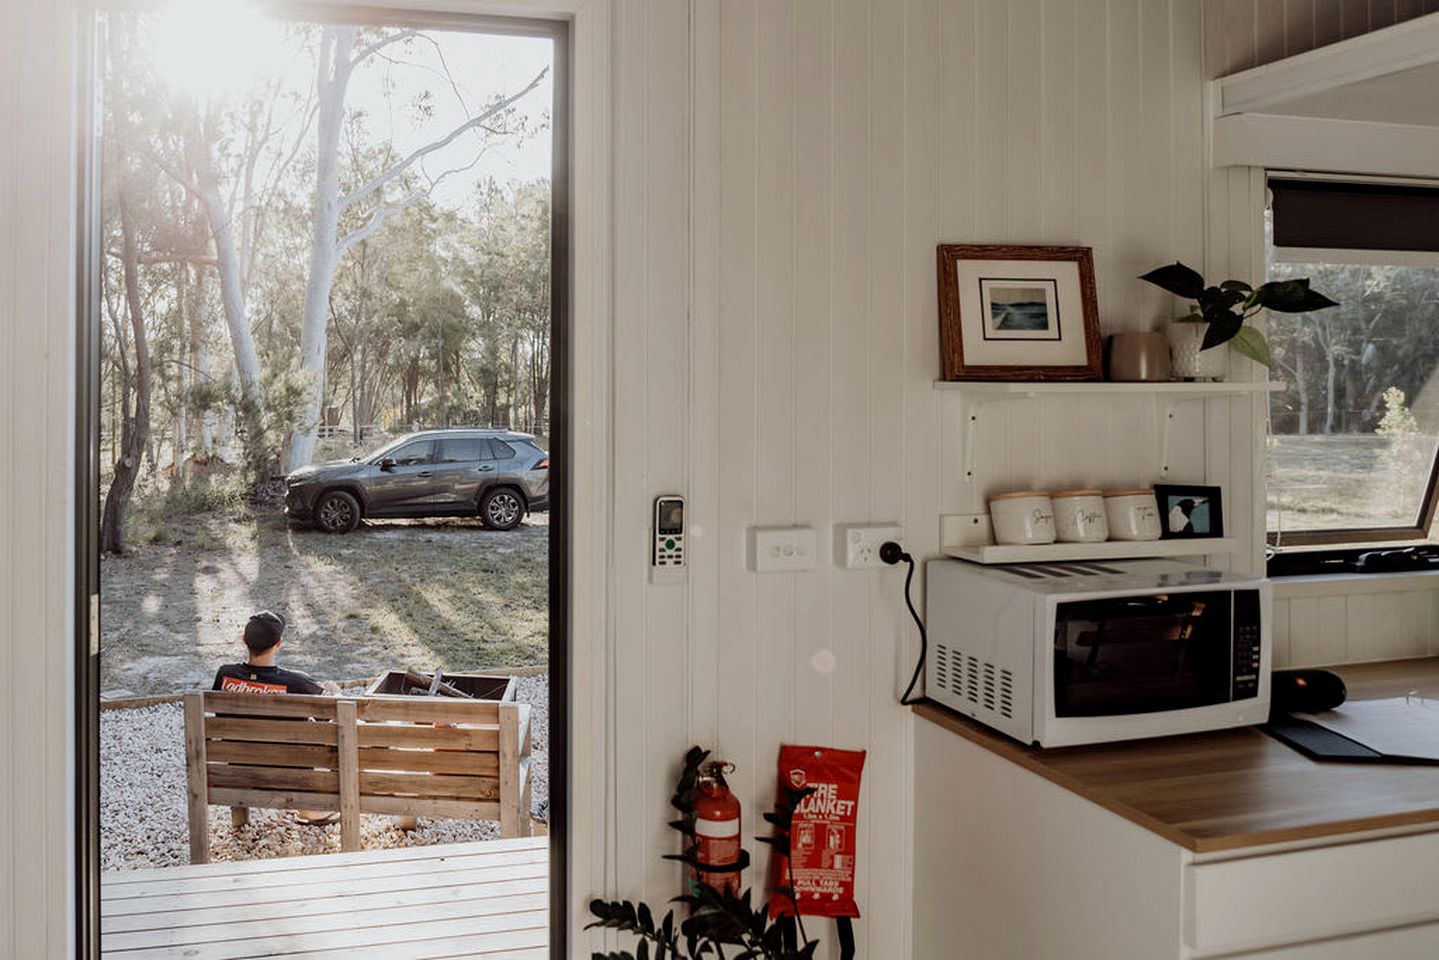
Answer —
720 925
1227 306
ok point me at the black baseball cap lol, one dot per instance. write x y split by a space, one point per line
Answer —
263 631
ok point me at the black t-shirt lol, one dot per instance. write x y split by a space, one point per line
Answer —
248 678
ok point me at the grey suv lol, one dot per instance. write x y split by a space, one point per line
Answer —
500 475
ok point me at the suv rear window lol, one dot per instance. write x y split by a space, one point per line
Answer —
461 450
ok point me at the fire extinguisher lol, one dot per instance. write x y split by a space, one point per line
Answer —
717 832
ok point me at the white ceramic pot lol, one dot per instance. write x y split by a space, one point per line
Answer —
1132 514
1022 517
1079 516
1187 361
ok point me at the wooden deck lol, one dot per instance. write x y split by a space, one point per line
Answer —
486 899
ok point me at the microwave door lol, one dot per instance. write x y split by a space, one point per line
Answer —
1118 656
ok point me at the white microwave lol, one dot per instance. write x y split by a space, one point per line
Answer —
1060 654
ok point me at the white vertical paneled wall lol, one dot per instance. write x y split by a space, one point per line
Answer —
36 362
781 372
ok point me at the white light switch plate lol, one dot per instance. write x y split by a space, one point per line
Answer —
774 549
857 544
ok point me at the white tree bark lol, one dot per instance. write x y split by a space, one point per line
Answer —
331 83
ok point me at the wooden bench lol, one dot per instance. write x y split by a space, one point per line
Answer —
467 759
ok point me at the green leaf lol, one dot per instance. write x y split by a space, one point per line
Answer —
1251 343
1222 329
1236 285
1291 296
1178 279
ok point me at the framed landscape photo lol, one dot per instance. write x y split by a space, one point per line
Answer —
1189 511
1018 313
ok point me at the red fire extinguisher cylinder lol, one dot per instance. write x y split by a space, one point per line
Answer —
717 831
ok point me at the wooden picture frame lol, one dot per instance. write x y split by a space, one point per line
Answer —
1183 498
1008 312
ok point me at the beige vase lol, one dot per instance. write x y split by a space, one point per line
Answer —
1187 361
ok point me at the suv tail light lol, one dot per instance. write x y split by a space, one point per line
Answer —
542 465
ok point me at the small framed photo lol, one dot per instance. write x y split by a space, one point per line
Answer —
1018 313
1189 511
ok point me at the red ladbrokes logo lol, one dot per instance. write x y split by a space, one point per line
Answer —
236 685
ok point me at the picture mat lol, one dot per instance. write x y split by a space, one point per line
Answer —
999 291
1069 350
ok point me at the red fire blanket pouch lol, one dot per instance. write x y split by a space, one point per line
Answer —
822 838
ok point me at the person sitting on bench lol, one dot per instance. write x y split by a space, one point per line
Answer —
261 675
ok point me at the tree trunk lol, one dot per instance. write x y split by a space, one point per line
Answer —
135 433
232 297
331 82
1301 383
1331 376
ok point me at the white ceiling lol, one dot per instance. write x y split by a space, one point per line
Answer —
1408 97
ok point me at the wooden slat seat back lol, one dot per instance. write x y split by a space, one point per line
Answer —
465 759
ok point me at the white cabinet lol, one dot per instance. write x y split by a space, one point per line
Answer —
1012 866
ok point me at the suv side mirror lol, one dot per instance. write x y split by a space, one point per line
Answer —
386 464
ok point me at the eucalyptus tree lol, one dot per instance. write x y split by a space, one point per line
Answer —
369 202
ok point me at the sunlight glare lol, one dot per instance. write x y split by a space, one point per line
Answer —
209 48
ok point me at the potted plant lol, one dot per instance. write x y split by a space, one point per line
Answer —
1219 316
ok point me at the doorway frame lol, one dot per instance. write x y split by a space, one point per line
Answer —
581 391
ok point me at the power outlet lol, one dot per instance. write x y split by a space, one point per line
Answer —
857 544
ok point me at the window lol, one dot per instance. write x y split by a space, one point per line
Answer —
421 451
1353 435
461 450
499 450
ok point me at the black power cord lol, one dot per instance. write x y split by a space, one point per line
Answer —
892 553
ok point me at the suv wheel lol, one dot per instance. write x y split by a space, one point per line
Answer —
501 508
337 512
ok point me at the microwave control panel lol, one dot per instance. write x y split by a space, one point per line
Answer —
1247 653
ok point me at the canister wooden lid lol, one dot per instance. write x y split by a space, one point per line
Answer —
1066 494
1017 494
1131 492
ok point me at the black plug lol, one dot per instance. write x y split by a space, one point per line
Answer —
892 553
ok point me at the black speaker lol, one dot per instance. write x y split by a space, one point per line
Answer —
1305 691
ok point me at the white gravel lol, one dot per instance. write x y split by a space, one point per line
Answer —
142 798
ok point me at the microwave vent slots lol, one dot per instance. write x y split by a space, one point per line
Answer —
975 680
1060 571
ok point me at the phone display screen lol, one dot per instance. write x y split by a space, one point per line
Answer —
671 519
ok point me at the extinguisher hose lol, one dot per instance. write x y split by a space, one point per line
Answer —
893 553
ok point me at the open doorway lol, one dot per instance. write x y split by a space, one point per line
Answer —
328 309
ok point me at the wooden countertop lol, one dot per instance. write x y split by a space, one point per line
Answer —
1237 788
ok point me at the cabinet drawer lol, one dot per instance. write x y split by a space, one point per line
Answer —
1265 901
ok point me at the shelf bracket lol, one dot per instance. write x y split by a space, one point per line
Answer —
1165 407
968 457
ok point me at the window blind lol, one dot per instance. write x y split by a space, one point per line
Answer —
1355 216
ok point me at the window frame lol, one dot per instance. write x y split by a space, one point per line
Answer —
1346 540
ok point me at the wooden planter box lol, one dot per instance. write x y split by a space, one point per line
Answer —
391 686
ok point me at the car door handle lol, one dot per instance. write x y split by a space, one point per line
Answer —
425 473
485 469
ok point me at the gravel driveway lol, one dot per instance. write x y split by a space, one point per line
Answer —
142 798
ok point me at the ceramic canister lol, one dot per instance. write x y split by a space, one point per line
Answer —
1079 516
1022 517
1133 514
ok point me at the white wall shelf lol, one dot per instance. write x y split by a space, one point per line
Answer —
1108 550
1165 395
1181 388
